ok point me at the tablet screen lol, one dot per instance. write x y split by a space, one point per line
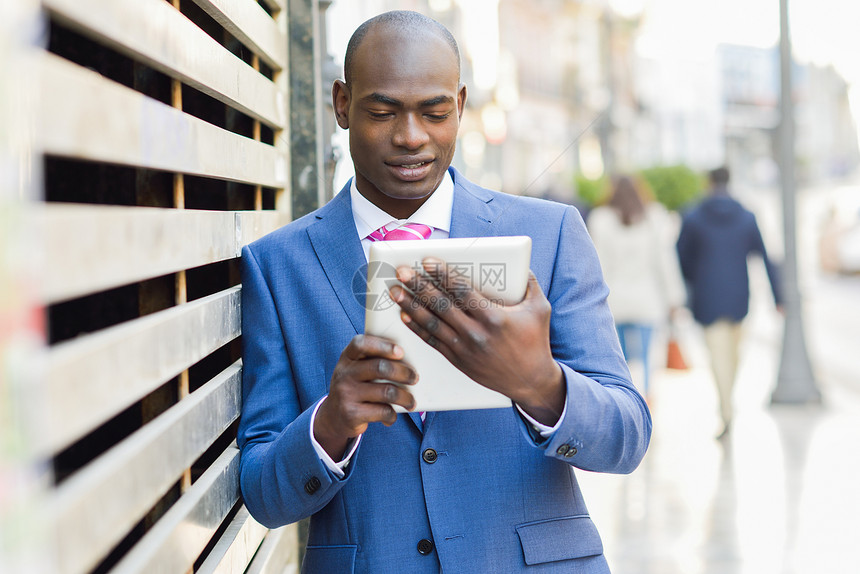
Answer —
498 267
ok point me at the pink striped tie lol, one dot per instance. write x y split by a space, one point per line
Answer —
406 232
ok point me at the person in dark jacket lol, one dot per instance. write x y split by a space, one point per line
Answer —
715 240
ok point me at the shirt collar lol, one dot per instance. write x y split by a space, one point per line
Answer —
435 212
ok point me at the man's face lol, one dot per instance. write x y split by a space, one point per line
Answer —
403 111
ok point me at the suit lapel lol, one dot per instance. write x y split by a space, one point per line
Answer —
472 214
416 418
339 252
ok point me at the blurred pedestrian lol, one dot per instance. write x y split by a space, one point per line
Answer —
633 238
715 240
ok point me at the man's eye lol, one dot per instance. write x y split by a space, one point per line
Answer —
437 117
381 115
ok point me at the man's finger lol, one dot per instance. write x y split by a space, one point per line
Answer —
441 327
424 289
443 344
376 369
363 346
458 284
533 290
369 395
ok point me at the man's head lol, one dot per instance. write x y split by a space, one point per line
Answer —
404 20
402 102
719 177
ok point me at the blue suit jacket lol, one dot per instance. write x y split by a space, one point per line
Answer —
495 499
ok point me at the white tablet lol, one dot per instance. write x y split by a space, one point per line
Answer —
497 266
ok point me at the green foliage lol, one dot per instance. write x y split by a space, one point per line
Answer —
673 186
591 191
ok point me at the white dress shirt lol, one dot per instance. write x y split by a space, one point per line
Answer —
436 213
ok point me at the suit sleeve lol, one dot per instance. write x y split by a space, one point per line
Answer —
607 425
281 476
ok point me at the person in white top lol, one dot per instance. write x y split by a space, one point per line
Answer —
635 244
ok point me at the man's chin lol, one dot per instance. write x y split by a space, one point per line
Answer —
410 191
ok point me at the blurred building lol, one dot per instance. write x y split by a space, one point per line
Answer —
827 144
826 138
680 114
550 87
569 66
534 114
560 87
750 104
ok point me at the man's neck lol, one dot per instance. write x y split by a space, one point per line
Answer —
398 208
720 190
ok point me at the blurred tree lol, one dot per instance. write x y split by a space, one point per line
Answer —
591 191
673 186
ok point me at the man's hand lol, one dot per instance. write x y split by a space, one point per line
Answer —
355 400
504 348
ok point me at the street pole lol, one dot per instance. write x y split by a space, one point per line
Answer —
795 381
605 127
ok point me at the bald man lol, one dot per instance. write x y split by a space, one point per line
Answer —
491 490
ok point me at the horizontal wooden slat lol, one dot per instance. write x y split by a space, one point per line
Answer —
84 115
178 538
249 23
252 225
159 35
90 248
97 506
90 379
278 553
234 550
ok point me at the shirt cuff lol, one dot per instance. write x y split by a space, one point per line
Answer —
337 468
543 430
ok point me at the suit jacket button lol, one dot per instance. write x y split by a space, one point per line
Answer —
312 485
570 452
563 449
429 457
425 546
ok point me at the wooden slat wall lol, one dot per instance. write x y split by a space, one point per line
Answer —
156 34
157 148
93 508
125 127
145 242
92 377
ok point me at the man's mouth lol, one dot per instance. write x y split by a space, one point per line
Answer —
414 171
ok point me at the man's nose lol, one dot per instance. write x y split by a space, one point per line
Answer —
410 133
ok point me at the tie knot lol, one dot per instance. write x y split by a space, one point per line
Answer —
407 231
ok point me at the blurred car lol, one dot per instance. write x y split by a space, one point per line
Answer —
848 248
840 237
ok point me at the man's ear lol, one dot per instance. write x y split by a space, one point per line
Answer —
461 100
340 103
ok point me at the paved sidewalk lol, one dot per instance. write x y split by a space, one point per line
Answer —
781 495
